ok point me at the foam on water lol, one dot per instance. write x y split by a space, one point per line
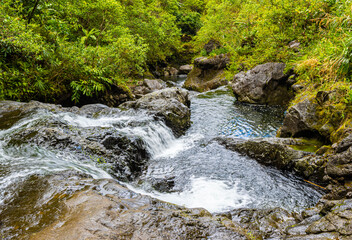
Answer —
213 195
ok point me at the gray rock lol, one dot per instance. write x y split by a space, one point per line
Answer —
127 155
154 84
148 86
171 104
301 120
278 152
265 224
339 219
268 151
294 45
340 165
185 69
170 71
264 84
207 73
344 144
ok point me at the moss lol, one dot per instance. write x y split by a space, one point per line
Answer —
308 145
204 80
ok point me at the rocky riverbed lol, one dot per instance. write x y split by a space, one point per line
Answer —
78 173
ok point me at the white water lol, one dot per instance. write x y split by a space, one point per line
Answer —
205 174
213 195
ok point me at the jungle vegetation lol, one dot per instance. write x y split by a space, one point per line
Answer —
75 48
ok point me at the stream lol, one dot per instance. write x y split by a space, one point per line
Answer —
192 171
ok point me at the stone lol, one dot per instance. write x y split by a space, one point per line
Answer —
340 165
294 45
339 219
297 88
279 153
268 151
301 120
154 84
264 224
344 144
171 104
170 71
207 73
185 69
264 84
147 86
126 154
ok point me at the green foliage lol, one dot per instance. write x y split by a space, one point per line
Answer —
81 48
348 97
255 32
76 47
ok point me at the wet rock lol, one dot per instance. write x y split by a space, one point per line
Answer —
344 144
103 209
300 120
165 184
185 69
11 112
207 73
265 224
340 165
126 154
264 84
315 117
339 220
171 104
272 152
148 86
170 71
90 109
279 153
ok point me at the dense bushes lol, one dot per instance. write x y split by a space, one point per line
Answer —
72 48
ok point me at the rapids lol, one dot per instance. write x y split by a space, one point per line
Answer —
193 170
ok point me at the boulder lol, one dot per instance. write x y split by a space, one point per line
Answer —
171 104
338 219
185 69
280 153
340 165
267 151
125 153
308 118
207 73
170 71
147 86
264 84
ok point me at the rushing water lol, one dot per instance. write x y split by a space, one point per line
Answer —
200 172
204 174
